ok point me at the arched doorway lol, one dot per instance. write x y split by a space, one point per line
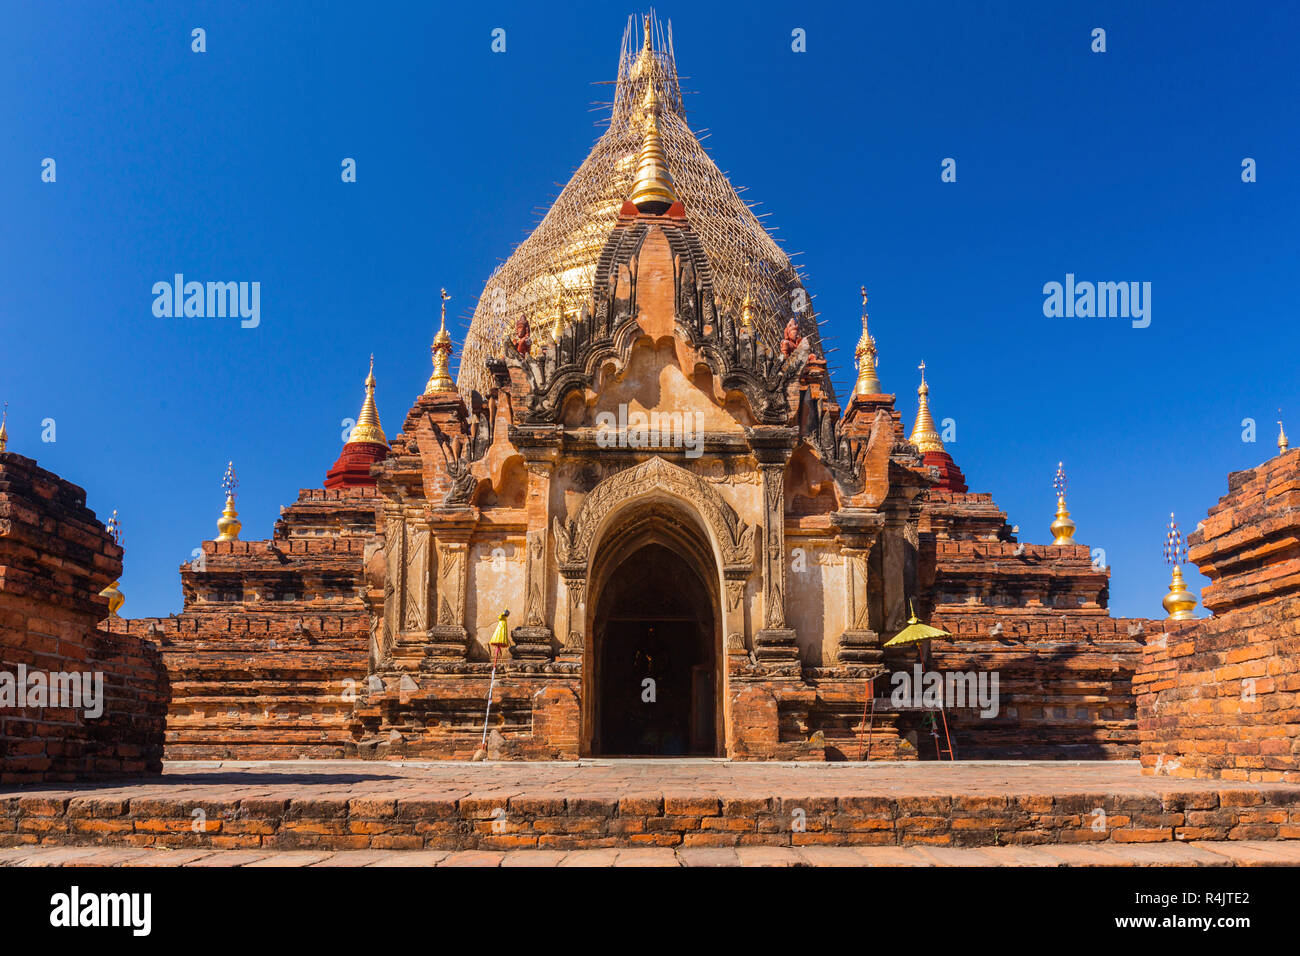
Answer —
655 682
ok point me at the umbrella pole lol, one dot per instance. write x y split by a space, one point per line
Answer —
871 698
491 686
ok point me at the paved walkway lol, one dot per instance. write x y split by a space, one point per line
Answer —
1230 853
349 779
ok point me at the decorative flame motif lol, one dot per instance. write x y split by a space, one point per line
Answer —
229 482
1175 544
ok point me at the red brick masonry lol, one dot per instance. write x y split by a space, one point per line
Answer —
55 558
1220 697
667 803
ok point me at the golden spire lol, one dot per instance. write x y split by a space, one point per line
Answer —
368 428
1179 602
1282 443
440 380
652 187
868 382
114 595
228 524
924 437
4 432
747 313
1063 527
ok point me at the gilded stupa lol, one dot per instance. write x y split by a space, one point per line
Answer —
554 269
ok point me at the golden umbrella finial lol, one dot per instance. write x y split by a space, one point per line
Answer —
228 524
1062 526
440 380
1179 602
368 428
1282 443
114 594
868 382
652 186
4 431
924 436
646 46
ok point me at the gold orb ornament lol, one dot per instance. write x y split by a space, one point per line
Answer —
1179 602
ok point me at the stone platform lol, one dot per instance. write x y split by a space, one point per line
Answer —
677 804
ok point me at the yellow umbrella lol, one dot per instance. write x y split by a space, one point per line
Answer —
501 636
915 632
500 639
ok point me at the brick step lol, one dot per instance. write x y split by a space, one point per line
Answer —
1213 854
356 805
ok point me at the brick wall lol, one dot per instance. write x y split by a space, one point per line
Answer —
269 654
55 558
1220 697
1035 615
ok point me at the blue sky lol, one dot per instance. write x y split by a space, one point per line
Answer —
1122 166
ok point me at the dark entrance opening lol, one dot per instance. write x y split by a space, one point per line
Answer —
656 661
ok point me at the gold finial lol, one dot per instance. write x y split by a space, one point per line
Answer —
652 186
747 313
113 593
557 327
368 428
440 380
4 431
1282 443
868 382
1062 527
924 436
646 46
228 524
1179 602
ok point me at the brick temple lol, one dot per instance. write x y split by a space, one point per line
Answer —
703 550
643 459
